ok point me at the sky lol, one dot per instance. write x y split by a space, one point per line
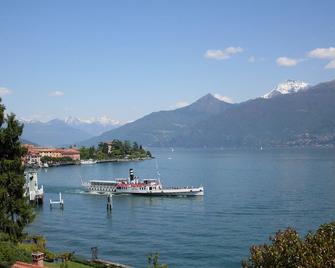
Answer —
125 59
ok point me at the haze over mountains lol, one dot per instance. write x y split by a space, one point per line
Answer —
71 130
291 114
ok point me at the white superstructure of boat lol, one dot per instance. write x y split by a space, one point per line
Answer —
135 186
88 162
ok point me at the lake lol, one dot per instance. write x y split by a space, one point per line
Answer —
249 195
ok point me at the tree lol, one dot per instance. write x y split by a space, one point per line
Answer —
127 147
91 152
289 250
135 146
15 211
153 261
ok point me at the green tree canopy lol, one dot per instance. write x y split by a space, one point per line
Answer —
289 250
114 149
15 212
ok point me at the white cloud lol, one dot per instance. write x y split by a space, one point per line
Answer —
287 62
181 104
330 65
252 59
223 98
56 93
5 91
324 53
222 54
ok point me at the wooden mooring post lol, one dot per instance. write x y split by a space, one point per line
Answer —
109 203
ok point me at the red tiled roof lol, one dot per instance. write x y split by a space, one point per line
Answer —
36 150
20 264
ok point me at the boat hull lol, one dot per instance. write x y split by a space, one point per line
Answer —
169 192
163 192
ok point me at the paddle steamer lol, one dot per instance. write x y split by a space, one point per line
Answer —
133 185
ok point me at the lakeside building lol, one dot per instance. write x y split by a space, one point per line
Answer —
109 146
35 154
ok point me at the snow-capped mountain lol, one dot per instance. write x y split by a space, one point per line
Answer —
103 120
66 131
94 125
287 87
52 133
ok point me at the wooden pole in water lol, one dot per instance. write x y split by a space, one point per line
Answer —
61 201
109 202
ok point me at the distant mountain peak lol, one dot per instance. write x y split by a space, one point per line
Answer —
208 104
102 120
287 87
207 98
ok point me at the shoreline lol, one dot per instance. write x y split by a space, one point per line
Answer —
98 162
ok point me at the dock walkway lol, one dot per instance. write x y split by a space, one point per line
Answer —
111 264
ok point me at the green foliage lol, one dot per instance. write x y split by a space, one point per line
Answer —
82 263
10 253
115 150
37 243
153 261
70 264
87 152
289 250
15 211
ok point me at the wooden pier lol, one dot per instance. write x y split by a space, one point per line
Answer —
111 264
60 202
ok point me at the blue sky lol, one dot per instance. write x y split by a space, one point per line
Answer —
125 59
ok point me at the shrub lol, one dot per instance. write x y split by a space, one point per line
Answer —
289 250
10 253
153 261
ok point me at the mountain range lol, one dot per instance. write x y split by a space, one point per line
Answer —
157 128
94 126
294 114
71 130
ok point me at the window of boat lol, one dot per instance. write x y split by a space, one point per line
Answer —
150 188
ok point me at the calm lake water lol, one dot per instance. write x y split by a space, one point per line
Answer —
249 195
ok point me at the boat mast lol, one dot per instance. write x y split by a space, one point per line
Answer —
158 173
